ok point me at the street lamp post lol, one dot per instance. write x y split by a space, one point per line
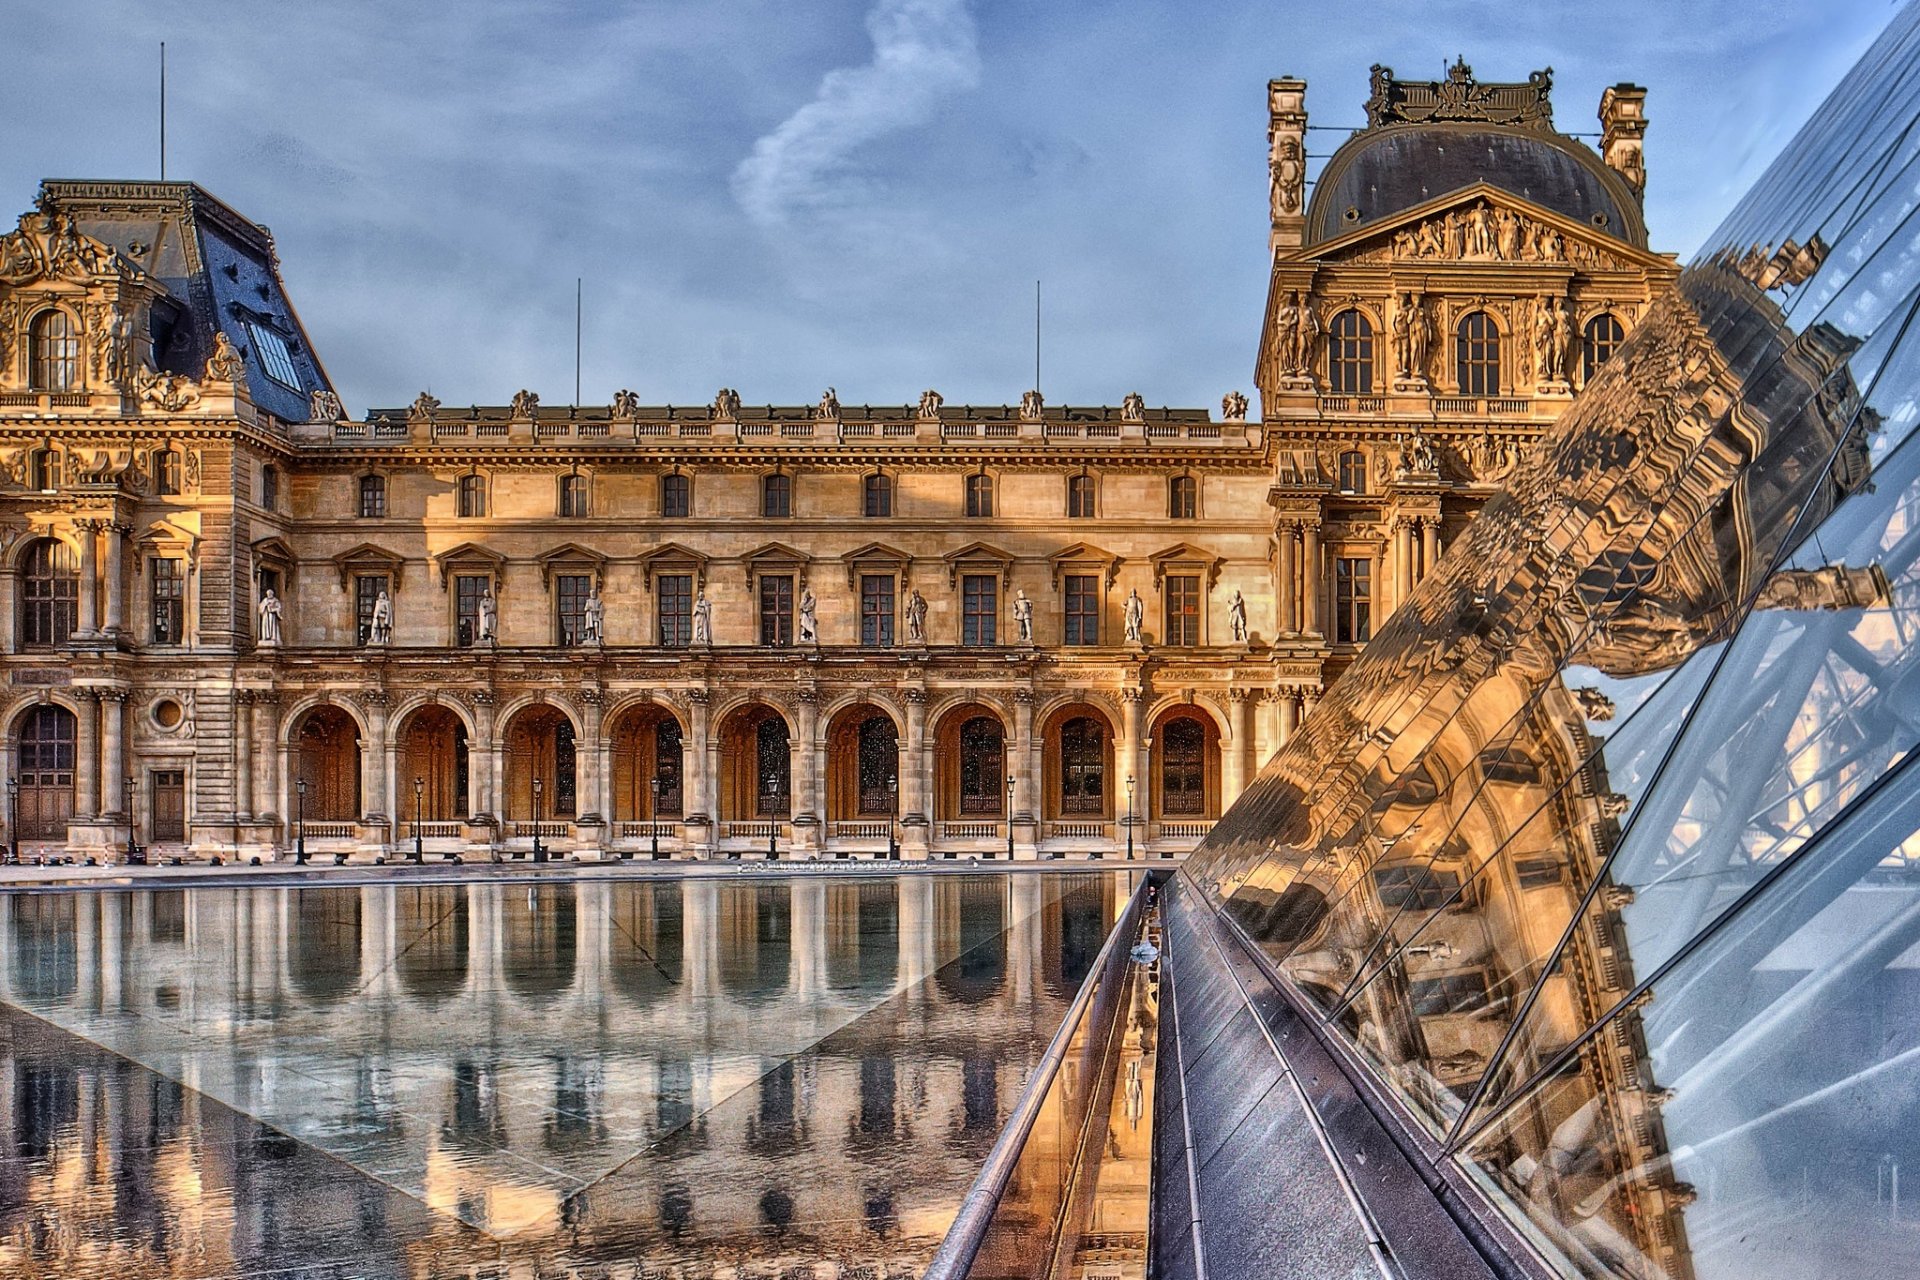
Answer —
653 818
136 857
13 821
893 818
1129 817
539 852
1009 817
300 823
419 797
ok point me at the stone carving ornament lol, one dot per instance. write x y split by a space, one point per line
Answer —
703 620
916 617
593 619
324 406
1032 406
1023 616
808 623
488 620
1237 617
225 364
1133 408
1233 407
625 404
1135 616
526 404
1288 170
726 405
381 629
828 410
930 402
424 409
167 392
269 619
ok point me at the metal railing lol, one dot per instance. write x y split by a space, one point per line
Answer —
1020 1218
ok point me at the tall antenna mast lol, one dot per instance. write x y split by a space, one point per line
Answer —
1036 335
163 111
576 341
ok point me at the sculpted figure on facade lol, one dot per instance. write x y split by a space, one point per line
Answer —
1306 337
380 630
1133 408
808 621
488 621
1023 616
1288 170
930 402
1032 406
626 405
1594 705
1237 617
1419 337
1400 328
324 406
167 392
526 404
1506 234
1417 457
423 409
225 364
1233 407
1286 327
269 619
1135 616
1480 241
593 619
703 619
726 405
1830 586
828 410
916 617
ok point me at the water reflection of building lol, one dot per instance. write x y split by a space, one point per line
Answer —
822 1062
1598 861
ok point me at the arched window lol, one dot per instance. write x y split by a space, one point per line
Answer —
53 345
1598 341
1350 354
1083 766
776 496
166 472
879 765
473 496
1477 355
879 495
373 497
1183 768
573 497
49 588
44 768
982 790
771 768
666 766
980 495
1353 472
1080 496
1183 498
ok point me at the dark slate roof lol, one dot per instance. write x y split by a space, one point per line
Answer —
1381 172
218 267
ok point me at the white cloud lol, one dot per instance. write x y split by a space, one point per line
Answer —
923 50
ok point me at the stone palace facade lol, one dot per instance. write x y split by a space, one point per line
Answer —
231 615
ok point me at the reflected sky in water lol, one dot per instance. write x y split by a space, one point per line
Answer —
478 1079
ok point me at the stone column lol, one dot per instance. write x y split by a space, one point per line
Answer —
699 773
242 754
1246 761
1309 699
113 768
806 777
1310 555
809 974
1028 760
481 758
1429 544
378 807
116 574
1402 559
88 625
588 756
86 757
1289 700
266 754
1132 746
914 809
1289 587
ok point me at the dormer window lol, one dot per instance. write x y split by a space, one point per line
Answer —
271 351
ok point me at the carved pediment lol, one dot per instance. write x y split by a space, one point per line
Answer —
1480 224
48 246
875 555
1085 554
1184 555
671 557
776 557
979 554
470 554
165 535
368 558
571 555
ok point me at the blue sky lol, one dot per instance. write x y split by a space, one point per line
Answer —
779 197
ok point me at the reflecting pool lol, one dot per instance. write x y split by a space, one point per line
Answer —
701 1076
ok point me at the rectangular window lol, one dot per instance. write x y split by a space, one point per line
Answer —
1083 608
573 497
876 610
373 497
274 356
1183 498
270 487
674 597
1079 497
366 591
570 599
979 609
1449 993
473 497
676 496
1183 610
980 496
467 590
776 609
166 472
169 601
776 497
1352 600
1415 886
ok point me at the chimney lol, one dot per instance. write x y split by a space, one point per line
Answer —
1287 162
1623 127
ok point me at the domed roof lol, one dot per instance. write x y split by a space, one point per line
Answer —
1381 172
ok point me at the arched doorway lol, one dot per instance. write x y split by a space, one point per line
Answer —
1079 772
970 755
647 748
43 764
1185 764
540 745
756 766
327 749
863 766
436 753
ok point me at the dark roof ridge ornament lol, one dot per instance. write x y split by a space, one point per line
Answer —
1460 98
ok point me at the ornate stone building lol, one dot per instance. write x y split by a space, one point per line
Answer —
233 614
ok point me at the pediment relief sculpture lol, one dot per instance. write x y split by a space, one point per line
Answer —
48 246
167 392
1484 230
